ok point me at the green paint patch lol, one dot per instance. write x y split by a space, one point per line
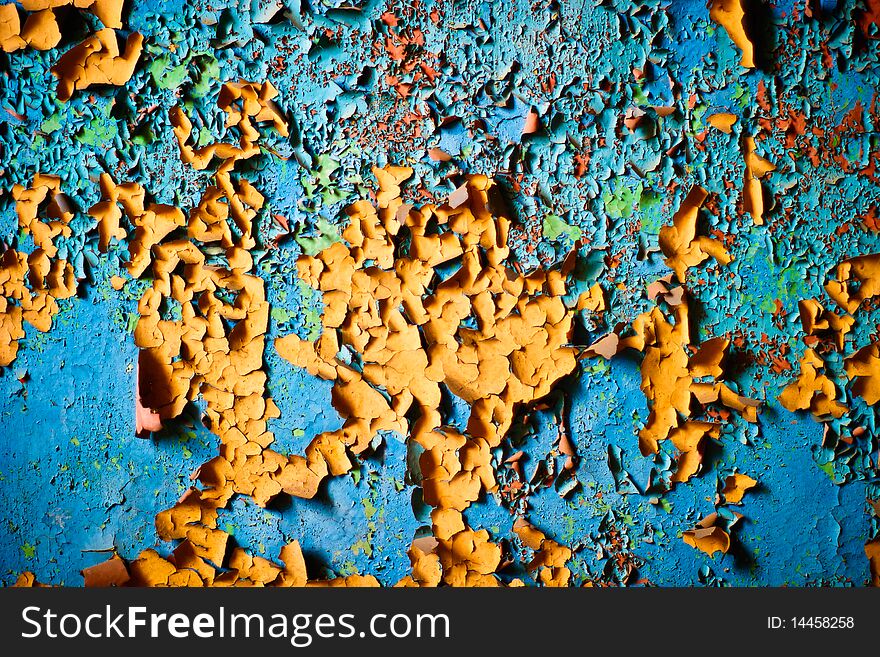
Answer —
742 95
650 203
311 310
787 285
362 546
207 69
101 130
204 137
828 469
622 200
323 179
555 227
280 314
51 124
697 113
327 234
599 367
166 76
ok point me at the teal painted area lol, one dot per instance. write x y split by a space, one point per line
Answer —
75 480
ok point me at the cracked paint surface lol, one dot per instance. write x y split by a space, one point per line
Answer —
679 200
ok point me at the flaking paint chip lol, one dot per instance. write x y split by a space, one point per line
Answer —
730 14
97 60
679 242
